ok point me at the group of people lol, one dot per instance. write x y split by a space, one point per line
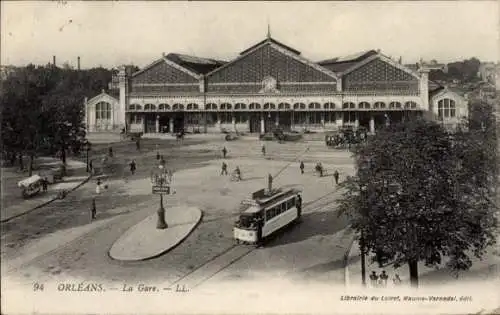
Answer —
380 281
236 173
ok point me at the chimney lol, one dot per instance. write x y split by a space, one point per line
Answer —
78 63
54 61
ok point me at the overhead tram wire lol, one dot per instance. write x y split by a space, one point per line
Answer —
293 161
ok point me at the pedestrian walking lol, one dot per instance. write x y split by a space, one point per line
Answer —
383 279
301 167
263 150
110 151
224 152
373 279
336 177
162 161
138 144
132 167
93 210
98 187
45 183
91 168
319 169
396 280
224 169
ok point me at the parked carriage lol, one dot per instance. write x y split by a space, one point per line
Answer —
346 137
30 186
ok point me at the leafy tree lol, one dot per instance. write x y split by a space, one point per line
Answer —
42 107
413 199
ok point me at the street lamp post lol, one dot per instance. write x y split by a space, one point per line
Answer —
161 179
87 149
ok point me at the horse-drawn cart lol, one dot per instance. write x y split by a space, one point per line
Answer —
30 186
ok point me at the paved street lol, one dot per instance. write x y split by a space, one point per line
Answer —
83 252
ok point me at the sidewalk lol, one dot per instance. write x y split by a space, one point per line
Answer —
144 241
19 206
481 270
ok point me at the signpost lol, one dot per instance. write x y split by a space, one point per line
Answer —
161 179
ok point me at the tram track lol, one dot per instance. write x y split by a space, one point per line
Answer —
74 241
195 277
234 253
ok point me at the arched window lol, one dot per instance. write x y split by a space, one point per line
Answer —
411 105
178 107
253 106
103 110
379 105
329 106
283 106
299 106
364 105
269 106
131 107
149 107
225 106
314 106
163 107
211 106
348 105
192 106
240 106
394 105
138 107
446 108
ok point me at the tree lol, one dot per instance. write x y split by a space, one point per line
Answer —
42 107
413 199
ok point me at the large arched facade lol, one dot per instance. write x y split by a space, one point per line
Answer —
269 85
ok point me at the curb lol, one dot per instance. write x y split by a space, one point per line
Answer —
161 253
46 202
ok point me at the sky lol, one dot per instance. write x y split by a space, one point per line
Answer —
111 33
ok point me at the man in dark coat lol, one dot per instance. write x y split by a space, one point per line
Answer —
93 210
224 152
336 177
301 167
224 169
132 167
373 279
383 279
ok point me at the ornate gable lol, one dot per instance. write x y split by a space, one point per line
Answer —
163 71
379 75
269 61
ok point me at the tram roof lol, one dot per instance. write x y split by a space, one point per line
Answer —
265 200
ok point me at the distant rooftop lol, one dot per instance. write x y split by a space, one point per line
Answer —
196 64
340 64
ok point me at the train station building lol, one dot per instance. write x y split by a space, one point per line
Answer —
269 84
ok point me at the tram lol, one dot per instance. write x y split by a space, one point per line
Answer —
267 212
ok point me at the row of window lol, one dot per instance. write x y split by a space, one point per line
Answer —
446 108
227 118
284 106
103 111
279 209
